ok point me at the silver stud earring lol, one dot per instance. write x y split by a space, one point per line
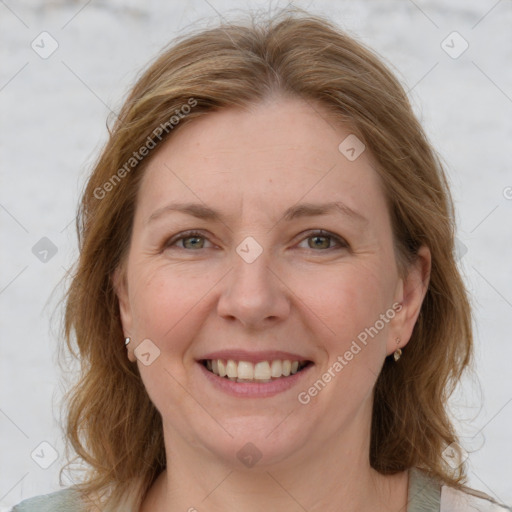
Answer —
126 341
398 351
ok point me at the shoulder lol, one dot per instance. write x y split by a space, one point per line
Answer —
469 500
429 495
65 500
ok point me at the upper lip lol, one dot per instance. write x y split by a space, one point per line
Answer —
253 357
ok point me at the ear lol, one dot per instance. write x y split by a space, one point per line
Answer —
411 291
121 289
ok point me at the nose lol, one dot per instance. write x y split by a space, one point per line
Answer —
253 294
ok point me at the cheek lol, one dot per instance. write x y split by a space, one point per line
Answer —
169 302
351 306
350 299
166 298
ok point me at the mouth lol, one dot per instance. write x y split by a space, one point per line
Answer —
261 372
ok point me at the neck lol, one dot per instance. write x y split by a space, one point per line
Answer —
330 476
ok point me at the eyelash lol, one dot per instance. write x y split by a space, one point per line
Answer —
319 232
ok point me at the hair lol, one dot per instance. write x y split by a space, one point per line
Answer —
112 425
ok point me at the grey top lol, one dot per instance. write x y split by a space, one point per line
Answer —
66 500
424 495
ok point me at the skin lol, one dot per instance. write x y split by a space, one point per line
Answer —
199 295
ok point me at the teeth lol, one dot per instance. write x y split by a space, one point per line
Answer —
262 371
245 371
276 369
221 368
232 369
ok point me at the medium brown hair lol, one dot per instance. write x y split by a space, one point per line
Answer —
111 424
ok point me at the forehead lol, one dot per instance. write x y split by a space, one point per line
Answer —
259 160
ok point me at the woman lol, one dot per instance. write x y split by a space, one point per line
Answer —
271 234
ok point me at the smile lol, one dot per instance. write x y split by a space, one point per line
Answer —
260 372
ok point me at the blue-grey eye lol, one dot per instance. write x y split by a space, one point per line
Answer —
322 240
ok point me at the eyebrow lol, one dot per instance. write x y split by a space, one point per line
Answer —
204 212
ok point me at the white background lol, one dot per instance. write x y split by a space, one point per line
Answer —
53 114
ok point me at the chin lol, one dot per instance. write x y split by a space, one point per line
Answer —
257 442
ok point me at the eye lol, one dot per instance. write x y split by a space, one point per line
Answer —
194 236
322 240
195 240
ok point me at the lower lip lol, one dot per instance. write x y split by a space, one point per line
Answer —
254 389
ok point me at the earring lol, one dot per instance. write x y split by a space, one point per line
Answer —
126 341
398 351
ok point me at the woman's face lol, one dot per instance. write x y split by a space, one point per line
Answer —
258 291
